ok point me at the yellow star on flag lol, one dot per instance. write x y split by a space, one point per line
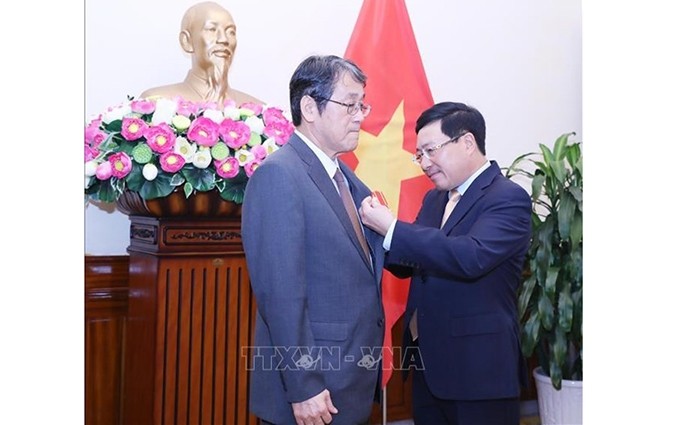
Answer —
383 163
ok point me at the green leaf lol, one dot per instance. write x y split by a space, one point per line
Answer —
188 189
234 189
545 312
576 235
547 154
559 171
135 180
565 309
558 357
157 188
526 291
559 149
530 333
537 186
555 374
202 179
550 284
114 126
108 191
565 215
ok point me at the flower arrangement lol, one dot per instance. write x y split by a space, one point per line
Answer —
154 146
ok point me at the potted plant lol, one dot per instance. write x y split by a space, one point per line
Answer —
550 299
156 148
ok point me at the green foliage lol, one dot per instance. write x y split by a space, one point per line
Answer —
550 299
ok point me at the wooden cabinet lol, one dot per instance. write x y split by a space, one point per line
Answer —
190 321
167 329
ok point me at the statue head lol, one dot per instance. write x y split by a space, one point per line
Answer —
208 33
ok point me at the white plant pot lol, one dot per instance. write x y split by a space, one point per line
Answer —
563 407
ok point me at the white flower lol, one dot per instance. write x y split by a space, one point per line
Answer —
214 115
202 158
90 168
165 110
256 124
185 148
116 113
243 156
270 145
149 171
232 112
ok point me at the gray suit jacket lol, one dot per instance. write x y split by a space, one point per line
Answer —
320 321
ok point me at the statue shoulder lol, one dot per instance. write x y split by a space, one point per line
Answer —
170 91
240 97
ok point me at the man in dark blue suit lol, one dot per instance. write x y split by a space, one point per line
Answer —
465 253
314 270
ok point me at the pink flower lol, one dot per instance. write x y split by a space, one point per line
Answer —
94 136
273 115
186 108
251 166
171 162
143 106
234 133
90 152
207 105
280 131
121 164
259 151
257 109
227 168
203 131
104 171
133 128
161 138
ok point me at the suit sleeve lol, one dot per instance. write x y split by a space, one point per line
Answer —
502 227
273 239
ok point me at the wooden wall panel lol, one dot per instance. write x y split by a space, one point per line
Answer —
106 294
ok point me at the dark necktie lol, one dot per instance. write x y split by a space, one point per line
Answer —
351 211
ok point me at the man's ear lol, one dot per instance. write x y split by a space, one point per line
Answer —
470 142
185 41
308 108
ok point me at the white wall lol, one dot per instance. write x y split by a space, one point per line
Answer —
518 62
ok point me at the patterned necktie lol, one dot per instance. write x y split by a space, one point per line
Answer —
453 200
351 211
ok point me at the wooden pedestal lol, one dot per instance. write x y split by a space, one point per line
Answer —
190 320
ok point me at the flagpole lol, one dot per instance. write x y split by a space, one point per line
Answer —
384 405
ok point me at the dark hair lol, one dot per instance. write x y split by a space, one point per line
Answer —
316 77
456 119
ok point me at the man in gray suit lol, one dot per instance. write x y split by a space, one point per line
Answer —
314 269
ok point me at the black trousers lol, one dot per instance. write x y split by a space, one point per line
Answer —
431 410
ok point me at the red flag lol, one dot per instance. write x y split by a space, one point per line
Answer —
384 47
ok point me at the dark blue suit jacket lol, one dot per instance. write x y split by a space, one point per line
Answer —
464 285
319 312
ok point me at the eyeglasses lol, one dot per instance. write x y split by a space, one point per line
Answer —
352 108
430 151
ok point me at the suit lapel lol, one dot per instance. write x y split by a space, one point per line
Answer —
472 194
320 178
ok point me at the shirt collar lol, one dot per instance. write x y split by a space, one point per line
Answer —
329 164
466 184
